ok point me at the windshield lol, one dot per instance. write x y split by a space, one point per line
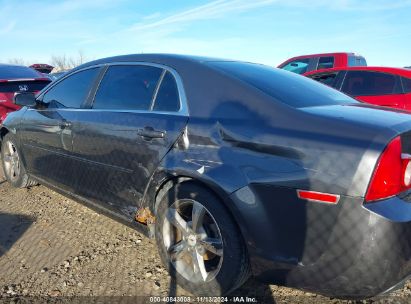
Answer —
289 88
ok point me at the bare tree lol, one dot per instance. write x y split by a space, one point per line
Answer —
18 61
62 62
59 62
80 59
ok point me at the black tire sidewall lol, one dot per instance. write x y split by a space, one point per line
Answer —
235 260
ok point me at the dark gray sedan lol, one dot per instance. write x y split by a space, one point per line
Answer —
235 168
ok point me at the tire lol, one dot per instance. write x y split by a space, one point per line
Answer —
13 167
226 264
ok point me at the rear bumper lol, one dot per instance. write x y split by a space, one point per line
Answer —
348 250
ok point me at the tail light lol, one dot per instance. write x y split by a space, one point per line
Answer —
392 174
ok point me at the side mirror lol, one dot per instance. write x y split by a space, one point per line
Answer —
25 99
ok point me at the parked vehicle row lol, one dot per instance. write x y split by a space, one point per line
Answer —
349 73
382 86
239 168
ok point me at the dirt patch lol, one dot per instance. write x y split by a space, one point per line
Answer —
51 246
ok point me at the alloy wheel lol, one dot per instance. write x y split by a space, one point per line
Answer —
11 161
193 241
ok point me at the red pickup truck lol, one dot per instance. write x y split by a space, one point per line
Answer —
307 63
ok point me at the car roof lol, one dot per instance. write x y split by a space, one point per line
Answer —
166 59
318 55
10 65
325 54
392 70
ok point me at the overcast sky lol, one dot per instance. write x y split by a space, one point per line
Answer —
265 31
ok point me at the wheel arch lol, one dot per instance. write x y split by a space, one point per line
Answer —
163 180
167 181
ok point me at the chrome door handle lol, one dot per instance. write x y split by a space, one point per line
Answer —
149 133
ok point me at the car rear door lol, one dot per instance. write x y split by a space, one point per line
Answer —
382 89
137 115
46 130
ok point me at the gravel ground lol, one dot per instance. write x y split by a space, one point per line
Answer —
53 249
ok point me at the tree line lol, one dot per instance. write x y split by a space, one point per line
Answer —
59 62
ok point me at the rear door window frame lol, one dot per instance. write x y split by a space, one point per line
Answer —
183 111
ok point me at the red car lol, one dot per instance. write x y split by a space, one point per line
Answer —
307 63
390 87
15 78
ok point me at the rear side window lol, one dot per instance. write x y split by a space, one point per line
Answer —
299 66
354 60
127 87
325 63
406 82
17 72
72 91
167 98
360 83
328 79
293 90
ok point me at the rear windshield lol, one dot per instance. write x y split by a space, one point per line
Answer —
16 72
289 88
23 86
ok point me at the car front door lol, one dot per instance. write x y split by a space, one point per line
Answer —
46 129
137 115
377 88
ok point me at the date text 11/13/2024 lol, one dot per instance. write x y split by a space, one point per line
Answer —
184 299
